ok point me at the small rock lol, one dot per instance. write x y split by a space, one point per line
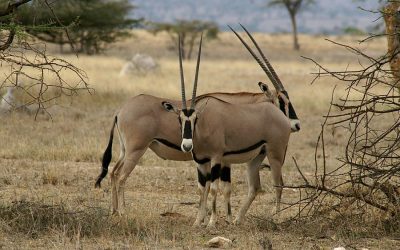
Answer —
339 248
219 242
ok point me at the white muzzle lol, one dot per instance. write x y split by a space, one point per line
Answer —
295 125
187 145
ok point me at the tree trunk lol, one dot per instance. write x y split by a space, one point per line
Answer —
183 37
392 22
296 44
191 45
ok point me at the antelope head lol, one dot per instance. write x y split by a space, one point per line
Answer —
187 116
283 101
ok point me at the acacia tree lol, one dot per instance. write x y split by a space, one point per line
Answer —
97 23
366 181
293 7
26 64
189 31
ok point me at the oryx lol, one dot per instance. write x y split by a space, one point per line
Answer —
143 123
226 133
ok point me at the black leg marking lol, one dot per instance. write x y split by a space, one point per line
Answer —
229 209
215 172
201 178
226 174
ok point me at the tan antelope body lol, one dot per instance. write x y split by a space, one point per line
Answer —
143 122
252 133
225 133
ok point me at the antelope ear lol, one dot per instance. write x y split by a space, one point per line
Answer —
170 107
264 87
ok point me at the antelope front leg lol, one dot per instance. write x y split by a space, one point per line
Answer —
276 169
253 178
215 175
226 189
203 174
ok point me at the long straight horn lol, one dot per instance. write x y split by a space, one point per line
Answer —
197 74
181 71
271 78
271 69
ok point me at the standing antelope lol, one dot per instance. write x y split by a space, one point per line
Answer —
224 133
143 123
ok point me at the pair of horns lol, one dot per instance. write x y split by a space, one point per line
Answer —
196 75
267 67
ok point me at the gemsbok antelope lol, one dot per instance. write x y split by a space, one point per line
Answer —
224 133
143 123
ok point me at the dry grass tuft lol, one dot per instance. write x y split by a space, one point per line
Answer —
34 218
49 178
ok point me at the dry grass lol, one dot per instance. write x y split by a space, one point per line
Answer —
48 167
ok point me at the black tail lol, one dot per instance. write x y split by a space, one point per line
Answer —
106 157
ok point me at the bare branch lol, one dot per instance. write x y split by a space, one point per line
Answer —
12 7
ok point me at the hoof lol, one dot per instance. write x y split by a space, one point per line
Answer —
196 224
228 219
237 222
211 225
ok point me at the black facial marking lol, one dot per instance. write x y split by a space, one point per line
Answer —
282 105
168 144
187 130
188 112
215 172
285 93
226 174
292 113
245 150
201 178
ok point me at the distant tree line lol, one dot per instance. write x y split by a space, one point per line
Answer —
92 24
189 31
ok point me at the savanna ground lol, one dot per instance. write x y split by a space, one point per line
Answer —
48 167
